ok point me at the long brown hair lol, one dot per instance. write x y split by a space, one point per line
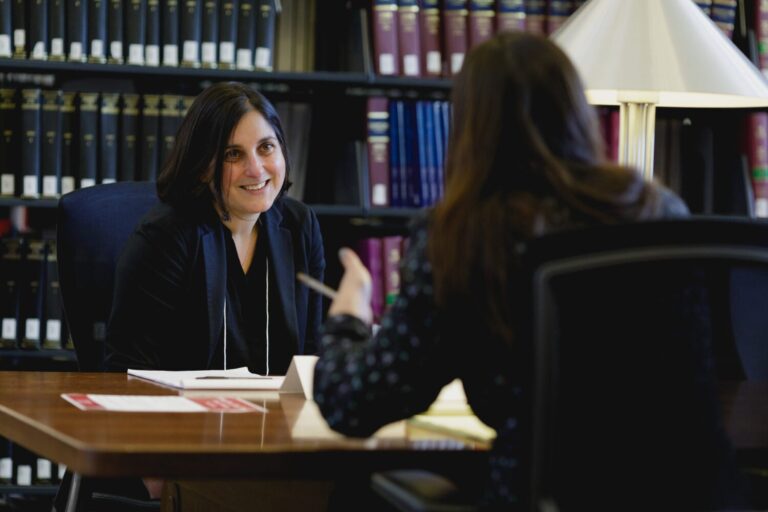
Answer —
525 155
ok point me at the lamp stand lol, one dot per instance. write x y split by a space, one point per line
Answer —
637 123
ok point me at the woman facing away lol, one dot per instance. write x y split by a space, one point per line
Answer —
207 280
525 158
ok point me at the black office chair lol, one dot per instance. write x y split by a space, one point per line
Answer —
632 326
93 225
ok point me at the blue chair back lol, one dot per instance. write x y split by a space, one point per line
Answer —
93 225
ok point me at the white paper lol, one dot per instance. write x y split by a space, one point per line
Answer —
236 378
155 403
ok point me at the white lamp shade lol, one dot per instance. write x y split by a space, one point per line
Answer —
663 52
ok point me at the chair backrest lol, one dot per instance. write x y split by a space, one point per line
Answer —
632 327
93 225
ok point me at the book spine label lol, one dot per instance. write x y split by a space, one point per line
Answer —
77 23
431 54
378 150
135 30
210 34
265 36
57 29
228 33
69 142
190 33
30 148
409 37
129 137
170 32
455 34
51 154
245 36
152 41
97 31
115 31
88 154
10 157
6 28
385 37
481 22
38 30
150 150
510 15
19 20
108 140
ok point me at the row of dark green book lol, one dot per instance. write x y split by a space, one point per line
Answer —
229 34
30 296
22 467
56 141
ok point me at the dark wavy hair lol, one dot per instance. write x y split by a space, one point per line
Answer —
525 155
201 140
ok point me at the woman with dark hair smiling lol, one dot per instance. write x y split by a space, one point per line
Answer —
207 280
525 158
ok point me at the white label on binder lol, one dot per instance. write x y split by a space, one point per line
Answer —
6 468
97 48
32 329
62 470
7 185
87 182
53 330
191 51
19 37
43 469
136 54
23 474
50 186
209 53
411 65
152 54
75 50
170 55
386 64
30 186
108 180
457 59
761 207
5 45
116 50
226 52
57 47
263 58
244 56
433 62
9 328
38 51
379 195
67 184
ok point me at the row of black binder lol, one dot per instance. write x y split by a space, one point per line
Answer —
30 296
209 33
22 467
56 141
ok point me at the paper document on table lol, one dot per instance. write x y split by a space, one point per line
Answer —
297 380
451 400
154 403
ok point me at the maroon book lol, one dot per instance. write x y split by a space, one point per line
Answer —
385 26
455 34
481 21
761 34
391 255
431 54
369 250
510 15
378 150
409 39
757 153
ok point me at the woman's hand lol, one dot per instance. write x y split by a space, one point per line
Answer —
354 294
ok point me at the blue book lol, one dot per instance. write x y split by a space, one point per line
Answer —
396 144
445 118
411 167
431 195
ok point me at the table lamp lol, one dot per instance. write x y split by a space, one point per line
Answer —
643 54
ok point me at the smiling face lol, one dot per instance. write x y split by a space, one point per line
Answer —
254 168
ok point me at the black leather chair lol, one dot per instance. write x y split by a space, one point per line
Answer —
632 326
93 225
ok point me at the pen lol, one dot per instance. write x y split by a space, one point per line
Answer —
316 285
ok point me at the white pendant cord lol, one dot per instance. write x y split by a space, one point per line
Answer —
225 331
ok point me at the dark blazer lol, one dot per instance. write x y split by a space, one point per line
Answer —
170 284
